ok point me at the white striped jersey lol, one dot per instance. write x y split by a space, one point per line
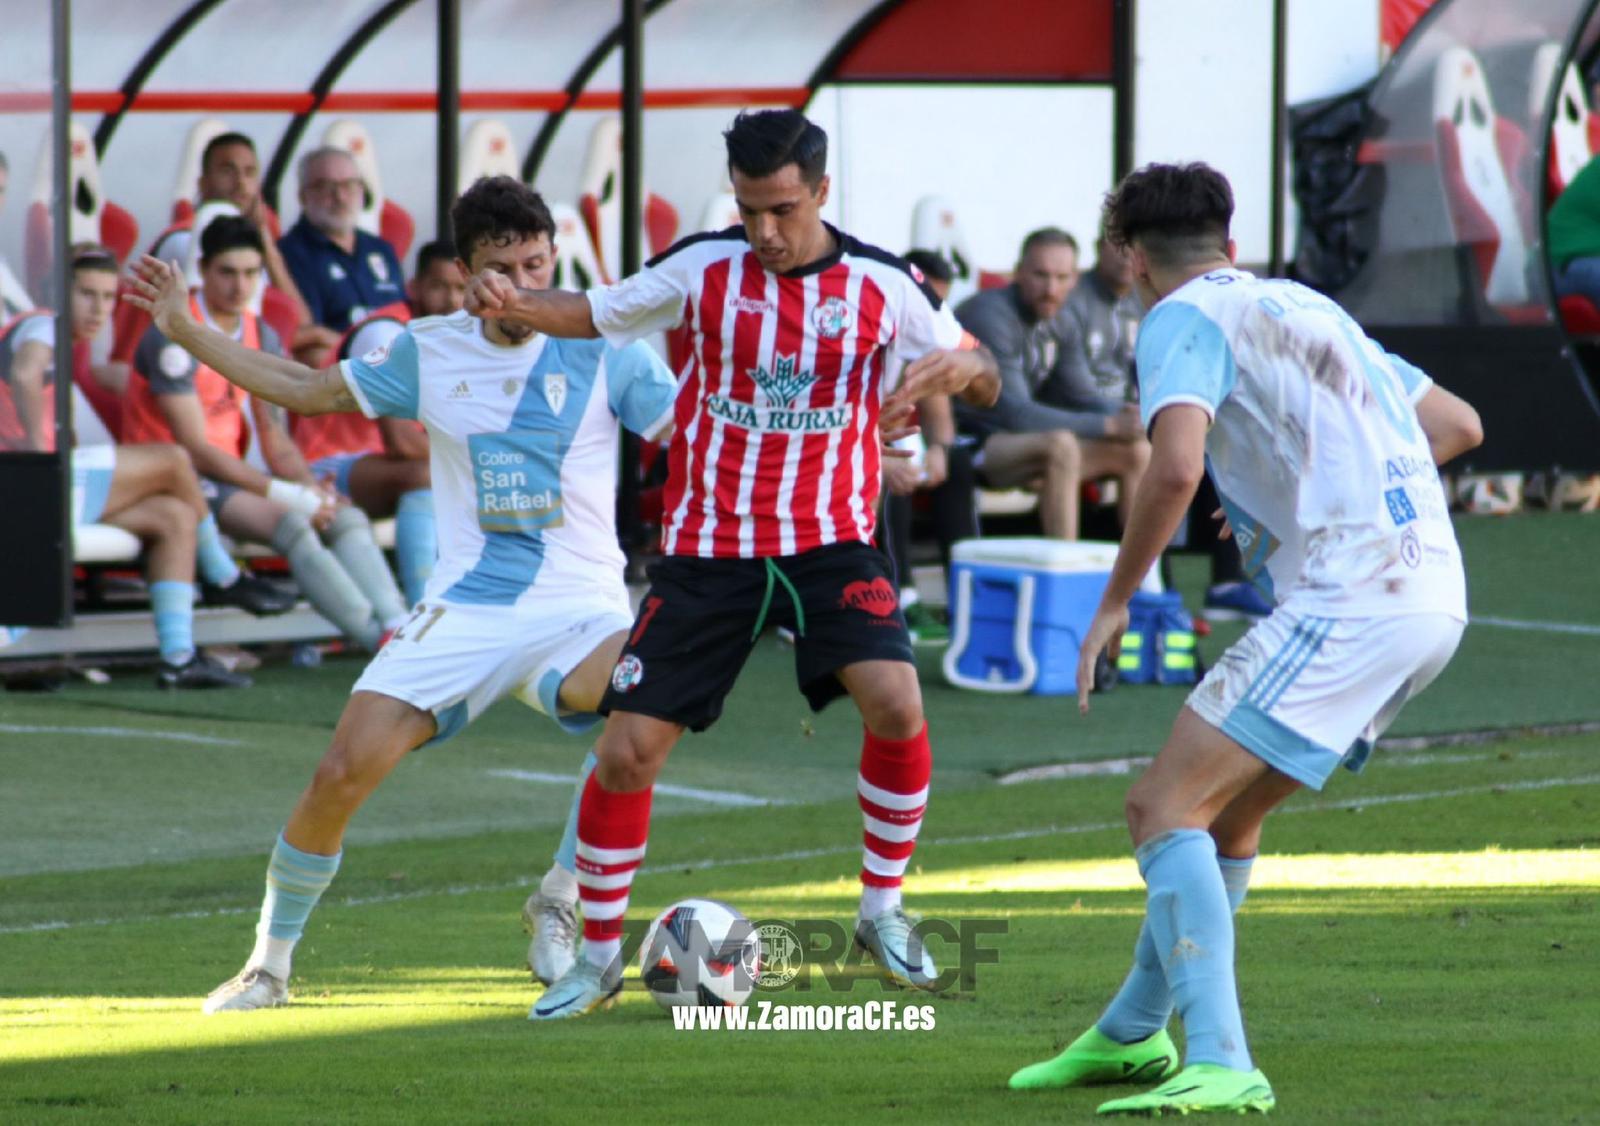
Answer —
522 449
776 449
1315 447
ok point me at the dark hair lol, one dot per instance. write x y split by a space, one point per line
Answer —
436 251
229 232
762 142
92 256
933 265
1178 213
1046 236
499 210
222 141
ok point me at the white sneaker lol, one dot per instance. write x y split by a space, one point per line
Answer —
893 942
251 988
553 925
581 990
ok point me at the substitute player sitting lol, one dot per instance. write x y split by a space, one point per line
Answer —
527 598
1322 448
149 489
772 488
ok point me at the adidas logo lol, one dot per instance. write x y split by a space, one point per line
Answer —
461 391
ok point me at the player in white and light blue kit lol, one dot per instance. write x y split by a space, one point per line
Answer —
527 597
1323 448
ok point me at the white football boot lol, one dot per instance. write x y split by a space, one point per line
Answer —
251 988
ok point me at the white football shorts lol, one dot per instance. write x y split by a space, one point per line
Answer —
455 660
1306 693
92 470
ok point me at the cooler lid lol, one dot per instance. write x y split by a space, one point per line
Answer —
1036 553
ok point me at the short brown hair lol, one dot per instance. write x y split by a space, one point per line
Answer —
1178 213
499 210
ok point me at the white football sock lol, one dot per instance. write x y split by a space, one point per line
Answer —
558 883
273 955
875 900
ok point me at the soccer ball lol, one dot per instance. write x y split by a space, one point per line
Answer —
700 952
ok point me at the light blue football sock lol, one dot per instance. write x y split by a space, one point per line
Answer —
416 544
173 604
1143 1006
567 850
216 566
1191 926
295 881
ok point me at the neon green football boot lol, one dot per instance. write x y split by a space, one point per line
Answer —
1095 1058
1201 1088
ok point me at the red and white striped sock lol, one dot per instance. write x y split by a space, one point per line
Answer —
612 831
893 791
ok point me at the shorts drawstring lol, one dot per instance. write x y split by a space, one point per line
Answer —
766 601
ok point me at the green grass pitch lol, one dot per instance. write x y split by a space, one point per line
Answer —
1419 944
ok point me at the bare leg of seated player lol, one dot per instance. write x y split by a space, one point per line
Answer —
377 482
1051 458
1126 461
161 469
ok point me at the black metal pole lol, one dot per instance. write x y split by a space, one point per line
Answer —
1122 81
449 118
628 524
1280 129
61 282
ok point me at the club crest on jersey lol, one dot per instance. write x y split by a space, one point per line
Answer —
379 268
628 673
785 382
555 390
832 318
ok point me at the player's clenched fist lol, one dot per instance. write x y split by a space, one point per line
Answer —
159 289
488 293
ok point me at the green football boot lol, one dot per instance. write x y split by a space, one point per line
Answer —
1094 1059
1201 1088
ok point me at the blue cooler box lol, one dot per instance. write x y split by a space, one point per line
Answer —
1019 608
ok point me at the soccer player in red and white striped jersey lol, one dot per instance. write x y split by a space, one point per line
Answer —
773 480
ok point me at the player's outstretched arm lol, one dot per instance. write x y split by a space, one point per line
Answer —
970 373
1177 462
158 288
1450 423
554 312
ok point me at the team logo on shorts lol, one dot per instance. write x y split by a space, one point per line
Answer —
628 673
876 598
832 318
376 356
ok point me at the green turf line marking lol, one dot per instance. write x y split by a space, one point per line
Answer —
1579 628
715 797
119 733
679 867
